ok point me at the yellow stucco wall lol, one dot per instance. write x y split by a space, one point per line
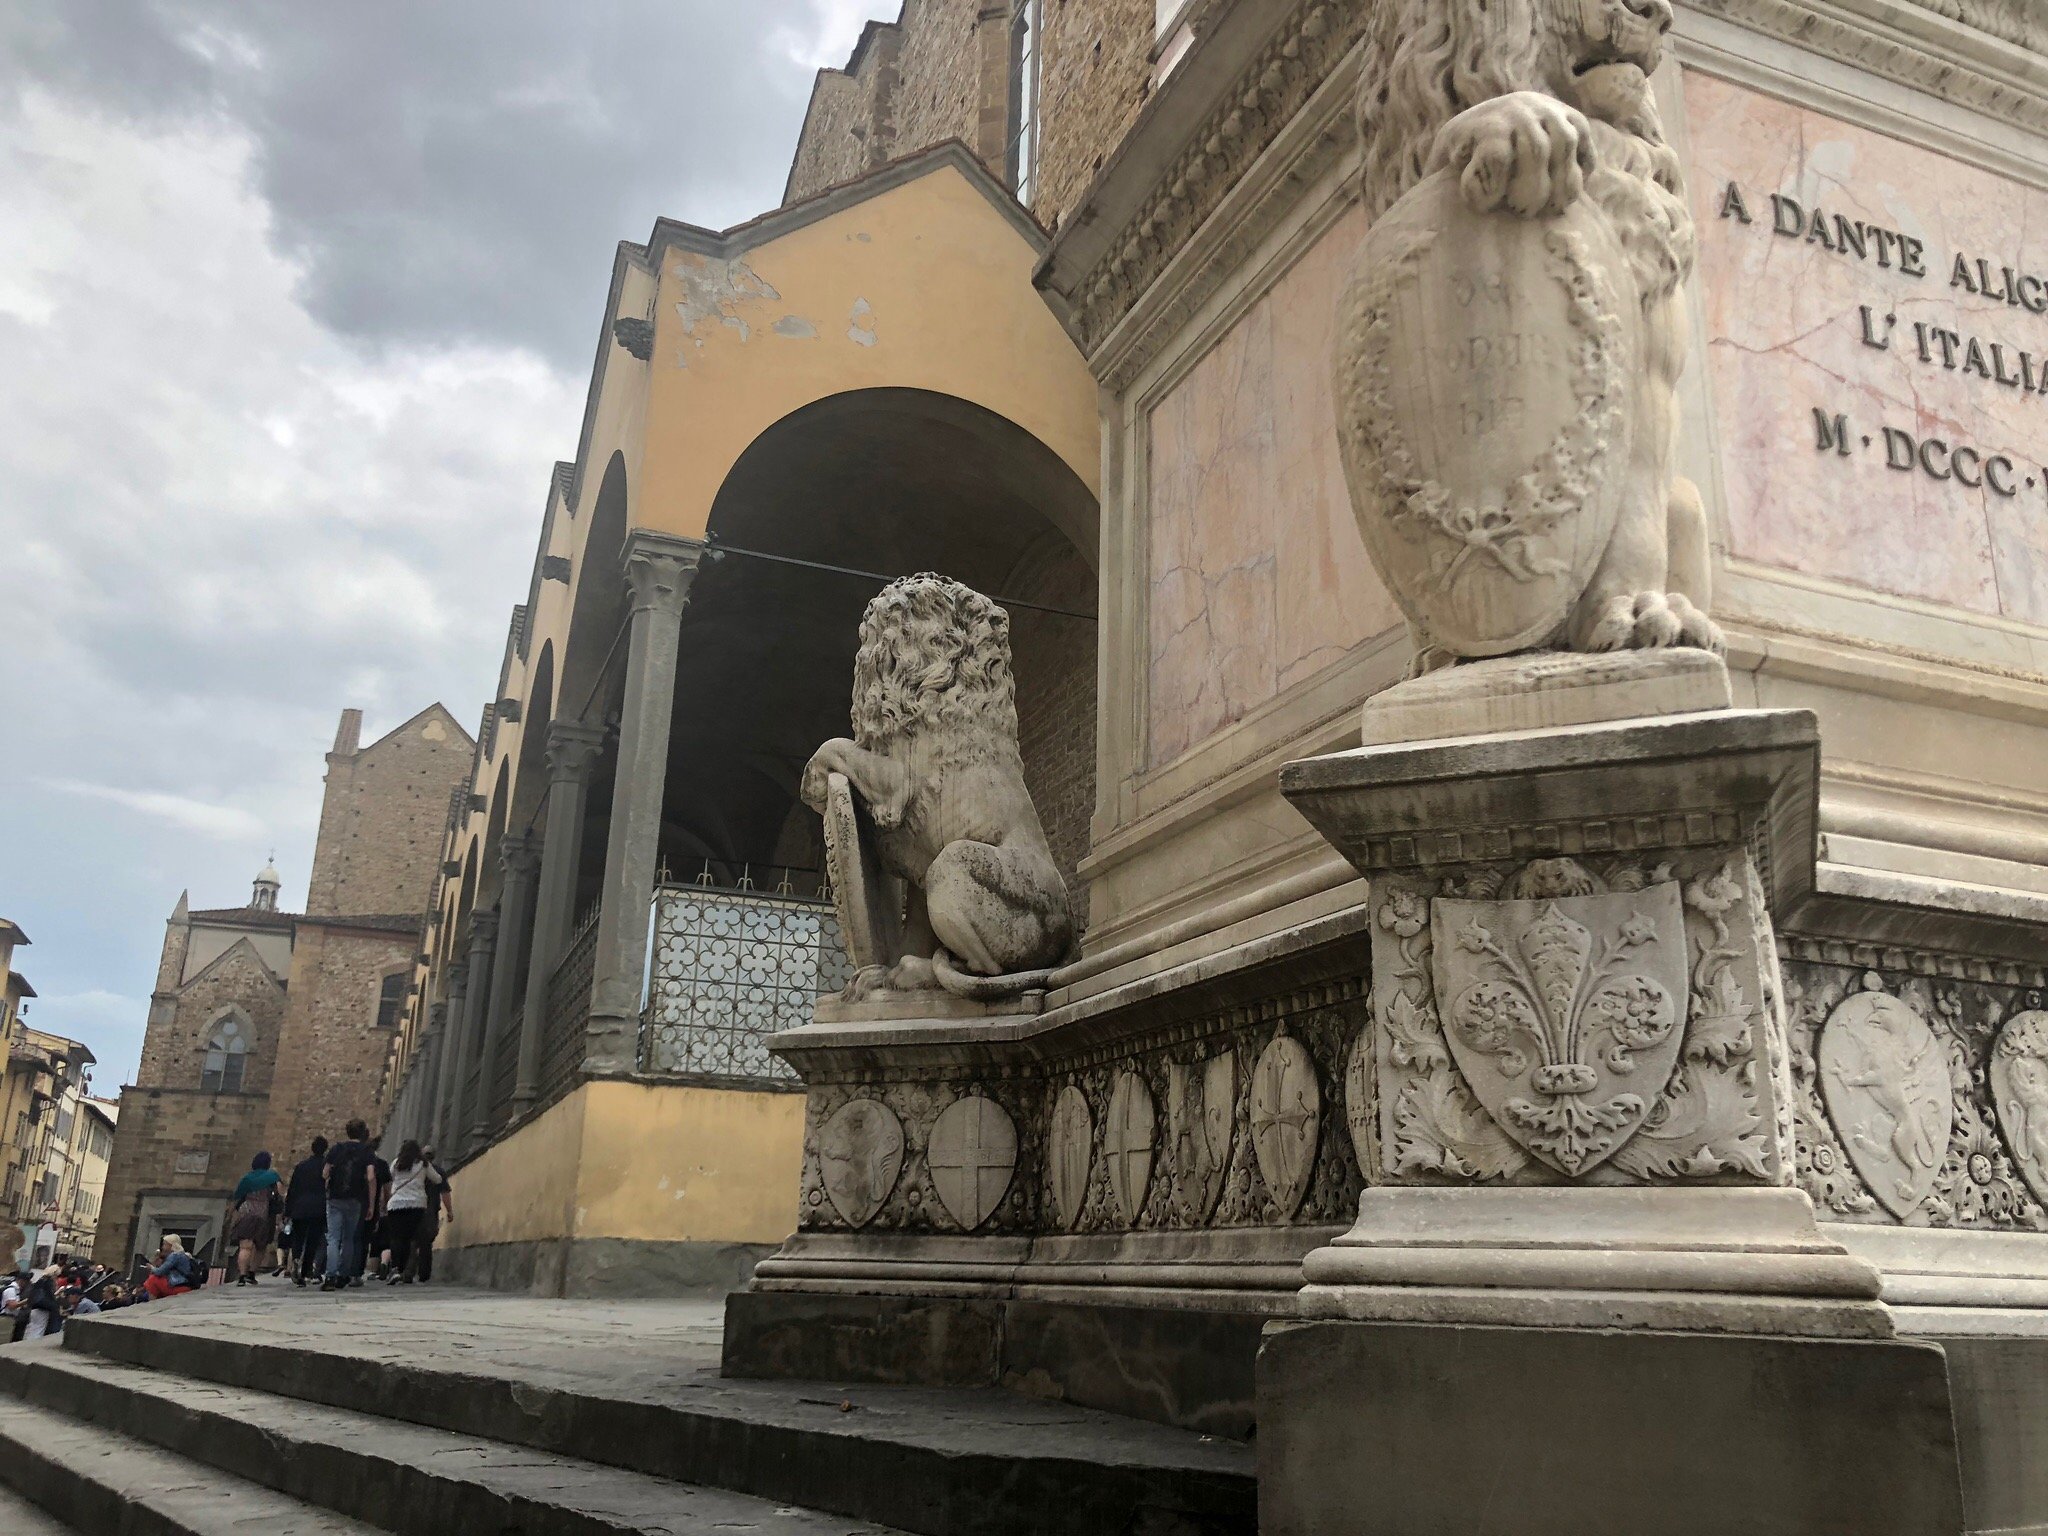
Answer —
923 286
658 1163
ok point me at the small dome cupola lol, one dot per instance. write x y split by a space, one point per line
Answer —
263 895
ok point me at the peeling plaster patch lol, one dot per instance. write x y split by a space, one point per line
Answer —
861 332
718 291
796 328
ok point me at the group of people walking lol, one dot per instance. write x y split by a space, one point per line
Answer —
345 1211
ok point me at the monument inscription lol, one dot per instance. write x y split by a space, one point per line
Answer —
1877 349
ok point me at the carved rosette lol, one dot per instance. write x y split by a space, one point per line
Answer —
1563 1020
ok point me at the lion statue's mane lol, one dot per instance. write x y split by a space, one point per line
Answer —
1425 61
934 661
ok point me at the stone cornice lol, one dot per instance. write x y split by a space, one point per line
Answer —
1909 42
1216 158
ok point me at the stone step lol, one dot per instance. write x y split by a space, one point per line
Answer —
18 1517
402 1478
636 1386
96 1480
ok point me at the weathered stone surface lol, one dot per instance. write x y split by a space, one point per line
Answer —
1170 1366
1536 691
1398 1430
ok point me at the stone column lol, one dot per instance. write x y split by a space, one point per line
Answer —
659 569
445 1079
572 747
430 1070
483 942
520 854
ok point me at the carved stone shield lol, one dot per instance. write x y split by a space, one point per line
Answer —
1069 1149
1564 1014
971 1155
1127 1144
868 897
1199 1109
1884 1077
860 1154
2019 1092
1287 1110
1482 366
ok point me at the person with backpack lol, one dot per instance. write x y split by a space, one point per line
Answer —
348 1191
305 1207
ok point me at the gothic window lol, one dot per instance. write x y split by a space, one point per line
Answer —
1023 124
391 1000
227 1057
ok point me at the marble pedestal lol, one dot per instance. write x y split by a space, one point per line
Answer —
1582 1285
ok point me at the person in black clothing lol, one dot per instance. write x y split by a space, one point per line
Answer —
349 1178
305 1207
369 1236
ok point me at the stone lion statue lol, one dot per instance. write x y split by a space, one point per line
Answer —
1510 342
952 883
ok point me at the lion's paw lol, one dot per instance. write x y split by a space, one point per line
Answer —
1694 627
1650 621
1526 152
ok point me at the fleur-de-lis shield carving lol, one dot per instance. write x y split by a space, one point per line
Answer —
1565 1014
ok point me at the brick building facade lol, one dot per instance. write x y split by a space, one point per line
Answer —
267 1028
1040 90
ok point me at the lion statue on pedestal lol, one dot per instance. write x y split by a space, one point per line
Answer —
1510 343
939 864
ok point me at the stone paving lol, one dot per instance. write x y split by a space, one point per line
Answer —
423 1409
655 1351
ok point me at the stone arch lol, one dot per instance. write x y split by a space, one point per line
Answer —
884 481
598 605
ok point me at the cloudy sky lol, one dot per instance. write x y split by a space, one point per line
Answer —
297 307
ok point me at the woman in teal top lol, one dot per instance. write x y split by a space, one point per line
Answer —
255 1214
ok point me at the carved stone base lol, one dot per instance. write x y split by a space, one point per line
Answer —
1543 689
1724 1260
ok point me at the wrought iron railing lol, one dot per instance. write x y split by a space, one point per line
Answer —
730 967
568 1015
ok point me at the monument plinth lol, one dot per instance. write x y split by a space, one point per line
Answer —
1576 1077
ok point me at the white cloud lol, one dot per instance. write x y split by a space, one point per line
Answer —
226 525
222 821
824 38
296 308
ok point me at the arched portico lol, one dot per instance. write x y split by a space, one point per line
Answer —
852 389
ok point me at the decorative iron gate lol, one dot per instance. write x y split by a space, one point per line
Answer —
730 968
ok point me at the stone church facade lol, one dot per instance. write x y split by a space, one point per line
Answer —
267 1027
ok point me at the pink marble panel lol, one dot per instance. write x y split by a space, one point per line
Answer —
1258 576
1788 335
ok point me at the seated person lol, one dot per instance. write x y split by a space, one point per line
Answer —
175 1273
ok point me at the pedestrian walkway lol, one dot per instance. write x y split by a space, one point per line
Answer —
429 1409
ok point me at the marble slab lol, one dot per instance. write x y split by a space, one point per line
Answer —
1258 578
1883 418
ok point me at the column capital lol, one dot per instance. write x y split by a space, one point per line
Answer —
572 747
483 930
659 568
458 976
519 852
437 1017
